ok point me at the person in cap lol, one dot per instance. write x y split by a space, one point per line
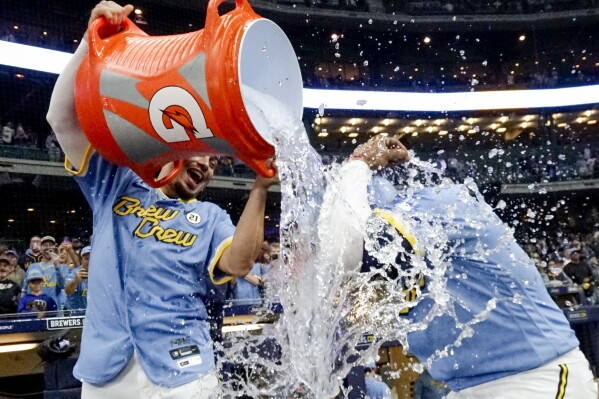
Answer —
375 388
500 334
580 272
35 301
9 290
52 270
146 333
76 284
17 274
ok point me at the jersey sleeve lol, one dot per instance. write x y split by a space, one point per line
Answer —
100 180
344 213
221 240
62 114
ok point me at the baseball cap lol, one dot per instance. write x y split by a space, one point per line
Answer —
573 250
86 250
48 238
35 275
4 258
11 252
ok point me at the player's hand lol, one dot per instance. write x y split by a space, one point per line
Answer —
113 12
381 151
266 182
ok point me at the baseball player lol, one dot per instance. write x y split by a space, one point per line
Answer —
146 333
525 347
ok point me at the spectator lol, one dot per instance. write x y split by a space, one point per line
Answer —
76 283
556 275
67 253
427 388
21 137
226 166
8 132
33 254
53 148
52 271
35 301
247 289
9 290
375 389
77 244
541 267
17 274
580 272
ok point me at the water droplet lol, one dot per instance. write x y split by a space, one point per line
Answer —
517 299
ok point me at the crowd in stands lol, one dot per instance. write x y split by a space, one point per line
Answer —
47 277
52 277
461 76
250 289
18 141
569 261
18 135
518 166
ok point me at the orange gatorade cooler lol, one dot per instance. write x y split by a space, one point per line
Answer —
144 101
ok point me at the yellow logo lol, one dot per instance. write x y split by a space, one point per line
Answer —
150 222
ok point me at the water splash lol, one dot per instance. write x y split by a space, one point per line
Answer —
328 305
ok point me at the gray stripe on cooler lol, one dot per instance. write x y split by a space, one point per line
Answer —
195 73
137 145
121 87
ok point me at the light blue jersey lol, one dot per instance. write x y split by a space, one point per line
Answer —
54 280
153 258
376 389
78 299
524 331
246 292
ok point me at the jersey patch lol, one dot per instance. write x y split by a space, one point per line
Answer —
193 218
186 356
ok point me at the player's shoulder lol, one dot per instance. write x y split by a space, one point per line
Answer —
206 206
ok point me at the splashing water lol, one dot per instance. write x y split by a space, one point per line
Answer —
329 305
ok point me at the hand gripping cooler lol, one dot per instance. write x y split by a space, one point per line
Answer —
146 101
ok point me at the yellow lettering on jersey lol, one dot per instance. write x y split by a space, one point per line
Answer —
150 223
49 284
411 294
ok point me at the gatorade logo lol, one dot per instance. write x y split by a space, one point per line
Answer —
176 116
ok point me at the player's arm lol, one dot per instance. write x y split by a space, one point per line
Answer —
239 257
62 116
346 209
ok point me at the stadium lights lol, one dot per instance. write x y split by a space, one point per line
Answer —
30 57
51 61
17 347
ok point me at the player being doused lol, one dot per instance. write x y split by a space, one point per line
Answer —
454 283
